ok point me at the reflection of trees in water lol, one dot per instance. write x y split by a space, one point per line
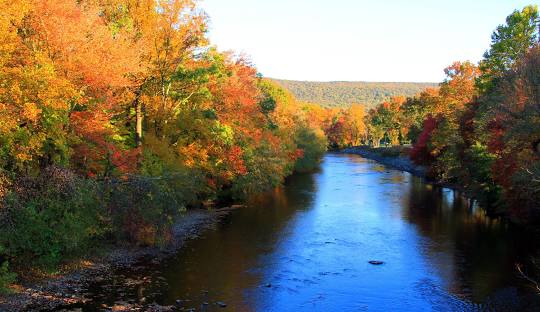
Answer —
298 190
224 256
472 251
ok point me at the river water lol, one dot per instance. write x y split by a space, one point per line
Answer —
307 246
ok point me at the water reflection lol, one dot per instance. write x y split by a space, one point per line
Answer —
306 247
475 254
224 263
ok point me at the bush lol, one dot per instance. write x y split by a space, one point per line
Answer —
143 208
51 217
6 278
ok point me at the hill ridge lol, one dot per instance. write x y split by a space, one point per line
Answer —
345 93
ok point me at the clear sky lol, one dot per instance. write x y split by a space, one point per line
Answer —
367 40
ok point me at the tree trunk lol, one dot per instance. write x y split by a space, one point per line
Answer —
138 121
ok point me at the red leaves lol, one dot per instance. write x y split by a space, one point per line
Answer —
335 132
296 154
420 152
496 133
235 162
504 167
125 161
237 98
95 150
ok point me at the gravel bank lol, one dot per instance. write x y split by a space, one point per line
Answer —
68 288
403 163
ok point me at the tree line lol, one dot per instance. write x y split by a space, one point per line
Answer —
117 115
341 94
480 129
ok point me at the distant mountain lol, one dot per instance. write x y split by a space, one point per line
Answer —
345 93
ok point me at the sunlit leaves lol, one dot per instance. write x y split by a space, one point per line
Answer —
510 42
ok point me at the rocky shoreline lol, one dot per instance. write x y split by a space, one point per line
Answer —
68 288
397 162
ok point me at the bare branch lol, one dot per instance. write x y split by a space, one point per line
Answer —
523 275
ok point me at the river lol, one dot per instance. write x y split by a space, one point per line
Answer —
307 246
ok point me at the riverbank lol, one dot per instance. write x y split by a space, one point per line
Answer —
306 235
68 287
395 157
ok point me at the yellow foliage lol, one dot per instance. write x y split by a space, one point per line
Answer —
31 112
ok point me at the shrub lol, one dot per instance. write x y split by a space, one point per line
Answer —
391 151
143 208
6 278
50 217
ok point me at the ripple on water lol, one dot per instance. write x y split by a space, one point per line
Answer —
311 242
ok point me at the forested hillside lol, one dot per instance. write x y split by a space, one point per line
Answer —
345 93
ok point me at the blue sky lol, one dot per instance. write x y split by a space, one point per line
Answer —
367 40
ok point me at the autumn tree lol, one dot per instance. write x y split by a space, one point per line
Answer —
355 124
115 115
416 109
514 134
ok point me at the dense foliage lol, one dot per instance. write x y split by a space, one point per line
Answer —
341 94
481 128
117 115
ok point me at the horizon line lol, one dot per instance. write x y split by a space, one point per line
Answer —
364 81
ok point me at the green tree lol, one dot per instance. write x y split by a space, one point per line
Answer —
510 42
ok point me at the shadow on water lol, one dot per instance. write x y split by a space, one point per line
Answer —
223 263
475 253
306 247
